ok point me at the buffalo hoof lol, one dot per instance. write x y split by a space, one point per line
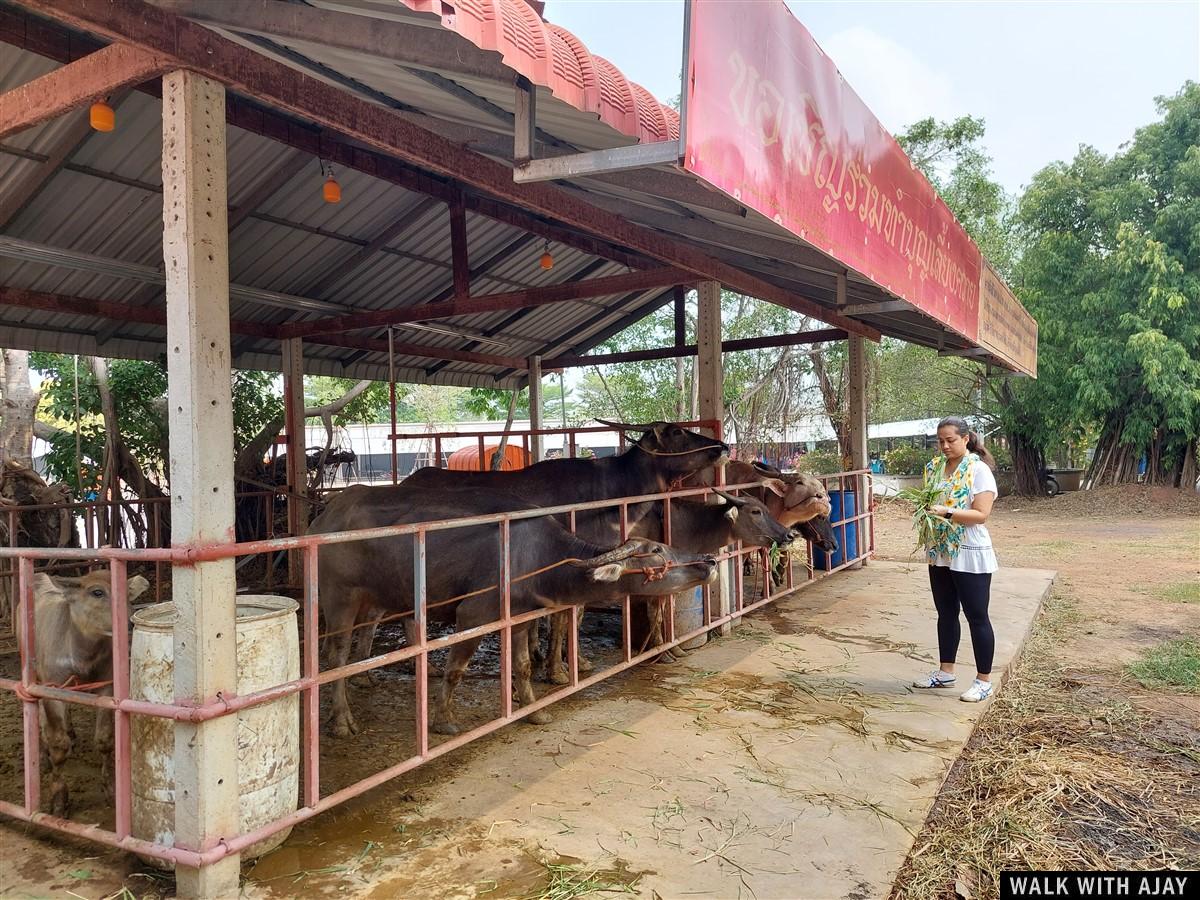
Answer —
559 677
60 802
445 728
541 717
343 726
364 680
585 664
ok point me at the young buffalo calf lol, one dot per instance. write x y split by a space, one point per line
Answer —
72 634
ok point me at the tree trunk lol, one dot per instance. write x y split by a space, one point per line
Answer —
249 458
1114 462
19 404
832 396
498 456
680 387
1189 471
110 483
1027 465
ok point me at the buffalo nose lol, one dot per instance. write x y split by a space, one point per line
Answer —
791 535
710 560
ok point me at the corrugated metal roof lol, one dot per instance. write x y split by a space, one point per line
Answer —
106 200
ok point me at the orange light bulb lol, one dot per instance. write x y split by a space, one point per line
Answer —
331 191
547 261
101 116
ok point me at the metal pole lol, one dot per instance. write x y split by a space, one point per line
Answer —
392 395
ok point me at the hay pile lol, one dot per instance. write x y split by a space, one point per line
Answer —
1062 774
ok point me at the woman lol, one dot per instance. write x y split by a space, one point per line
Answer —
961 558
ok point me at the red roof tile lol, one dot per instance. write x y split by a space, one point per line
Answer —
554 58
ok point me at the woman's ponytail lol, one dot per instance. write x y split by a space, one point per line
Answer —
975 445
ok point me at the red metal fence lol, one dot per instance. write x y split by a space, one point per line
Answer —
122 706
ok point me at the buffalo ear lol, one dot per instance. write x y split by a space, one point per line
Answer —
776 486
136 586
43 584
610 572
732 513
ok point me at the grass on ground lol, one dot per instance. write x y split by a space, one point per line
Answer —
1174 665
1184 592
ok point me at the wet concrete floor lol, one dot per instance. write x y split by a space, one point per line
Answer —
789 759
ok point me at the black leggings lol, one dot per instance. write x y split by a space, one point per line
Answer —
971 591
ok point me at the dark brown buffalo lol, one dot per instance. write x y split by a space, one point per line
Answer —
696 527
359 577
662 455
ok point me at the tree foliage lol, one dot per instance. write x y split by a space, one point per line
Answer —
1112 272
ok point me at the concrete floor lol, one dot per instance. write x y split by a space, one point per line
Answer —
787 760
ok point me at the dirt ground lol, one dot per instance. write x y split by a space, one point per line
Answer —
1128 559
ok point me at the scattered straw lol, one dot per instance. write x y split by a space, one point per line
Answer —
1059 776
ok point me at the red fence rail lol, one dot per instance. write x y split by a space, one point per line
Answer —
121 705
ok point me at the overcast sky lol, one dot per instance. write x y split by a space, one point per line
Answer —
1047 76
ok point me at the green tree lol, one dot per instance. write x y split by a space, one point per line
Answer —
1032 414
1112 271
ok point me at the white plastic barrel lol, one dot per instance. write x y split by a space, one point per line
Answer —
268 735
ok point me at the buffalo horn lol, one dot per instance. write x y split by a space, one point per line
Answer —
622 426
736 501
617 554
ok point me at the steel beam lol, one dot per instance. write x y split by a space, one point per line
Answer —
597 162
584 272
115 311
376 345
460 264
86 80
376 244
389 132
554 293
875 309
30 251
436 48
776 340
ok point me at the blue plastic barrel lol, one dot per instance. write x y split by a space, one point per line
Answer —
843 507
689 615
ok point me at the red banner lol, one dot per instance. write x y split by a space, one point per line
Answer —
771 122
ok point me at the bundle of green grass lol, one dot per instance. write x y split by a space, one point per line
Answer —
922 499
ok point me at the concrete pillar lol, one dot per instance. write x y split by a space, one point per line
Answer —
297 467
858 426
196 262
711 379
535 406
709 374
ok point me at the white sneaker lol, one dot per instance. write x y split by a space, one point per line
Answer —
980 690
935 679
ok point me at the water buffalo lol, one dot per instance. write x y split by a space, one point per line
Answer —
72 632
661 456
696 527
360 576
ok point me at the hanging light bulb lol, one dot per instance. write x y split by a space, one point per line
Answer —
331 191
101 116
547 261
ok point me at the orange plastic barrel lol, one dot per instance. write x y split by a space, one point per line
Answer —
466 459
